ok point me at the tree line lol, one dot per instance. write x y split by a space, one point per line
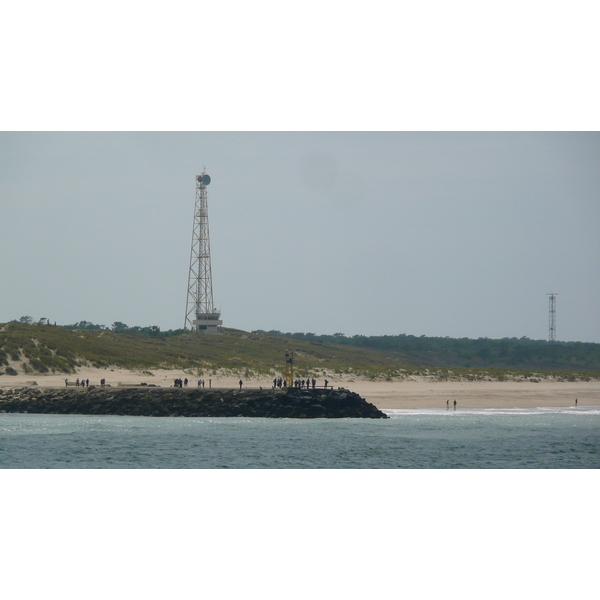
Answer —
465 352
116 327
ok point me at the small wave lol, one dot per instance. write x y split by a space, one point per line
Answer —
569 410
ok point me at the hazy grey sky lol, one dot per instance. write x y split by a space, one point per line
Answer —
447 234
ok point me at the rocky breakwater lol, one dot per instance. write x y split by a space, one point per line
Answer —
190 402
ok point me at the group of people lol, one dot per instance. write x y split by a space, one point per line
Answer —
184 382
279 382
84 382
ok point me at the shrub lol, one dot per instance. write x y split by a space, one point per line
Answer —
38 365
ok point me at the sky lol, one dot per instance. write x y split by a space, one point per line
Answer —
422 170
373 233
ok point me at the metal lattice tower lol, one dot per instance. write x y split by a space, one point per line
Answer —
200 294
552 318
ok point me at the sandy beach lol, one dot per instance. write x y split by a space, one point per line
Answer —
407 394
484 394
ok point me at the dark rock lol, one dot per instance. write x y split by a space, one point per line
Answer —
156 401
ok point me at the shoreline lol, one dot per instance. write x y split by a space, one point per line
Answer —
406 394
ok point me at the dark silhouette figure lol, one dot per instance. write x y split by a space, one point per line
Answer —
241 384
455 405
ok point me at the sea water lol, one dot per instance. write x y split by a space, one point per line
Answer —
553 438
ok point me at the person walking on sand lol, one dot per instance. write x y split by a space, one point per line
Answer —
447 404
241 384
575 401
455 405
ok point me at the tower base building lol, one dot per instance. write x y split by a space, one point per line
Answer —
207 322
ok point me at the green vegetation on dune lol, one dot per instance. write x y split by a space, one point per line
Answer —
43 348
506 353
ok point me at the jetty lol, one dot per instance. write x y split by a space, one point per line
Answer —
291 403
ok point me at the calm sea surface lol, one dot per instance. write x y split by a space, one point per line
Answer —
424 439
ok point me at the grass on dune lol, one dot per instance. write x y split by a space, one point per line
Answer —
49 349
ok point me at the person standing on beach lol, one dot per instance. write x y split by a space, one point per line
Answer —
575 401
241 384
447 404
455 405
